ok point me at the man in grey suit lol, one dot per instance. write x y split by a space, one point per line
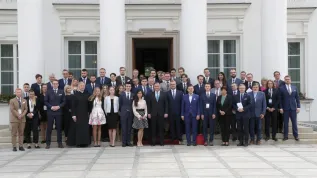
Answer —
233 79
257 110
165 85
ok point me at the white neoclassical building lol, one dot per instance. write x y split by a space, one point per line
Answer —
257 36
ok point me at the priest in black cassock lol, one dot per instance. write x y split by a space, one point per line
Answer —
79 132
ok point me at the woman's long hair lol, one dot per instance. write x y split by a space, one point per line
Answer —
136 98
94 95
43 84
224 80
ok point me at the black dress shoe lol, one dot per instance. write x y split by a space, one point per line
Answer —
37 147
194 144
29 147
234 139
267 138
297 139
124 145
188 144
275 139
285 138
130 145
240 144
152 144
162 144
47 147
14 149
60 145
21 148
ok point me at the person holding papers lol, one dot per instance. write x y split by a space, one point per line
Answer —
242 104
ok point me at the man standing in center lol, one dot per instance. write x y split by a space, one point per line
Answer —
190 114
157 109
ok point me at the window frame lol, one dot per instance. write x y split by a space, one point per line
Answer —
82 54
301 62
221 52
15 70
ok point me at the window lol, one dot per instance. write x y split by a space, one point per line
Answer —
222 56
82 55
9 68
294 62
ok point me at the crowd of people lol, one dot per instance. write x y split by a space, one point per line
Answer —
157 106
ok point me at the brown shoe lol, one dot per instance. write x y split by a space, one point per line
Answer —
251 142
258 142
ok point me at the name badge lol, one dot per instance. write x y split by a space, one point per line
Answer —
270 101
45 108
207 106
19 111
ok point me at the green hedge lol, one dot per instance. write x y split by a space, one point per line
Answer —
5 98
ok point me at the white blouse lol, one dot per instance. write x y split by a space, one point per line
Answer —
141 105
107 104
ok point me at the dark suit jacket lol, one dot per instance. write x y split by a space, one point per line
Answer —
180 87
52 99
204 100
136 89
199 91
246 103
61 84
175 105
275 98
229 83
160 107
211 81
89 88
126 79
280 83
227 105
35 109
49 86
87 80
289 102
125 104
36 88
105 82
246 83
190 107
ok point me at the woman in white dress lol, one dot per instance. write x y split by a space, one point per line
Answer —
97 114
140 112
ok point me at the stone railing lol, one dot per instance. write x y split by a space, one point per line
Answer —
8 4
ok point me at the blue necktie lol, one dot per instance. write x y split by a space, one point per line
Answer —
157 97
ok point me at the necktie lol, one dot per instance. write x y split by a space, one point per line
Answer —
233 80
26 94
207 79
241 96
55 91
122 78
168 84
289 89
143 89
234 92
249 84
20 104
276 83
157 96
65 82
184 88
113 84
208 95
255 96
102 81
93 86
128 95
173 93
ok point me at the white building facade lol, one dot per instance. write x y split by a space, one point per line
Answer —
256 36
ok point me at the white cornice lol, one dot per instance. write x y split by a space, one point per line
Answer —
299 14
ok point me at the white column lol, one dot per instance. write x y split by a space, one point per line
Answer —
30 33
112 35
274 37
193 33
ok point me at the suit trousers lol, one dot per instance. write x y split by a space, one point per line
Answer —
58 127
225 122
17 130
191 128
157 123
208 121
280 122
233 126
271 119
243 128
31 125
175 128
256 125
126 127
293 115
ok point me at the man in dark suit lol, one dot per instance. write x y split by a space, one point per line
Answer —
102 79
26 89
277 80
272 101
151 82
84 77
207 78
136 85
92 85
122 78
175 98
200 87
184 84
233 79
50 83
126 114
290 106
257 111
233 125
249 83
173 74
157 111
36 87
243 76
190 114
153 75
179 79
208 113
113 82
54 101
64 81
145 88
242 104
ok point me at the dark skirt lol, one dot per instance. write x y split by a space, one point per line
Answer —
112 120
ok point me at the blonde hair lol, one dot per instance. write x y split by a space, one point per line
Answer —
67 87
94 95
107 91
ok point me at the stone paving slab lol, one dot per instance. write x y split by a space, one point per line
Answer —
179 161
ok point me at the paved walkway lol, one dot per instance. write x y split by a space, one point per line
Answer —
169 161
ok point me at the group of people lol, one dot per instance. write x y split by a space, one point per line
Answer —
163 102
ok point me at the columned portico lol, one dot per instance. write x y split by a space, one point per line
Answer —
274 37
112 35
193 33
30 39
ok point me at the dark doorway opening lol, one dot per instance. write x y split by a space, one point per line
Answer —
154 53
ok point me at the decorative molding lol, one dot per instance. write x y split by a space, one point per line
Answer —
226 11
8 4
240 24
301 3
305 27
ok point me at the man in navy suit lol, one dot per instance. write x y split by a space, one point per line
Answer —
273 101
184 84
175 98
151 82
102 79
277 80
84 77
233 125
113 82
54 101
190 114
92 85
242 104
153 75
145 88
126 114
64 81
207 78
50 83
257 111
36 87
136 85
200 87
208 113
290 106
233 79
122 78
